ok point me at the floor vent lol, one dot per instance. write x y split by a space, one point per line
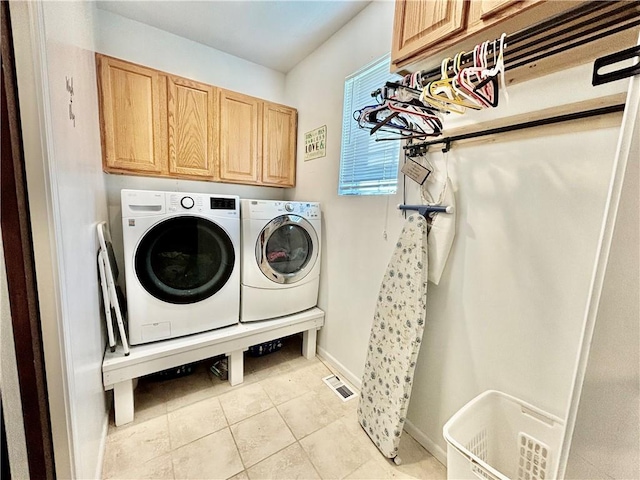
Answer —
340 389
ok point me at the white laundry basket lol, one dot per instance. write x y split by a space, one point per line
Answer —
497 436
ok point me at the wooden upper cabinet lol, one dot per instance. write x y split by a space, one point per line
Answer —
240 137
157 124
257 141
132 129
192 132
424 29
484 14
279 127
489 8
419 24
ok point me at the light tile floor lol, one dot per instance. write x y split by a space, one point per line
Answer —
283 422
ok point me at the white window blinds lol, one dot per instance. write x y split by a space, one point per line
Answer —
367 167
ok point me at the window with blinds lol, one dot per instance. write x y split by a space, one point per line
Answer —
367 167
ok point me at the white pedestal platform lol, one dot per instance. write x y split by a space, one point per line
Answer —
119 371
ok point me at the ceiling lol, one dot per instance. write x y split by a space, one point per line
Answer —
276 34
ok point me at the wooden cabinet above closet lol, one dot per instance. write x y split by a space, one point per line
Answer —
420 24
157 124
424 28
543 36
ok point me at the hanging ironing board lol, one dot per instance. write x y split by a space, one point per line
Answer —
396 336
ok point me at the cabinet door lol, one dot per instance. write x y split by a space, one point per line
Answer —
421 23
239 137
130 106
489 8
279 145
191 115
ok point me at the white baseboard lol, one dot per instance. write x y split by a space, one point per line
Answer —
103 444
432 447
355 382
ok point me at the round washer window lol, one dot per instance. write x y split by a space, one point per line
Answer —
184 260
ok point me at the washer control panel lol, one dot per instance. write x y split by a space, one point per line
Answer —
187 202
222 205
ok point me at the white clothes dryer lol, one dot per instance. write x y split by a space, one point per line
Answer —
181 263
280 258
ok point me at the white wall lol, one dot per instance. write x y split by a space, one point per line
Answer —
79 193
509 311
139 43
67 198
354 252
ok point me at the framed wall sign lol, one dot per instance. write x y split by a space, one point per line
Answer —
315 143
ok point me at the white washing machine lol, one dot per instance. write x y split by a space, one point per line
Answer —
181 263
280 258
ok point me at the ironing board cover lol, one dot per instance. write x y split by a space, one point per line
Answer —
395 339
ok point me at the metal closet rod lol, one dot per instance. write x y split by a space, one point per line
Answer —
518 126
515 41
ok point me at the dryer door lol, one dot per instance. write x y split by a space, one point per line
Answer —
287 249
184 259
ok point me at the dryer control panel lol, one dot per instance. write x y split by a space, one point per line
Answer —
268 209
307 210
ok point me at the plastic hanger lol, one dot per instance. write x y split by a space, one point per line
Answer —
475 79
374 115
498 67
400 112
418 114
379 118
461 84
443 91
406 103
487 88
427 99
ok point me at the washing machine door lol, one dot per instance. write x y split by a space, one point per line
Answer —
287 249
184 259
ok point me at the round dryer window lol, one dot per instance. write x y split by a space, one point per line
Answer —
287 249
184 259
